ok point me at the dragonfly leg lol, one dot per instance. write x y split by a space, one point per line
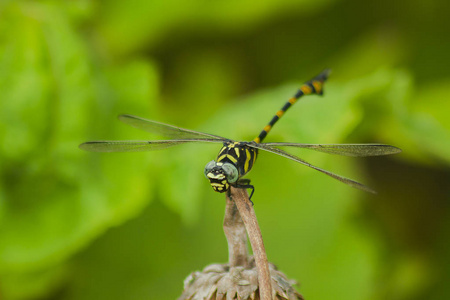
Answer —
245 184
229 194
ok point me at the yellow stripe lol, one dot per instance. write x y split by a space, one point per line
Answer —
292 100
230 157
221 150
267 128
227 156
280 113
221 158
317 86
257 140
306 89
237 152
254 157
247 159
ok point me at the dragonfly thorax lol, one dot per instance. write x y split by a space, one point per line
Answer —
221 175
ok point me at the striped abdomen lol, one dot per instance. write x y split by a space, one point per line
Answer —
314 86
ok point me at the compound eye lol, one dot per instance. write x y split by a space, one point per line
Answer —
231 172
209 166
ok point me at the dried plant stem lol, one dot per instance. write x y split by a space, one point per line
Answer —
234 229
247 213
243 277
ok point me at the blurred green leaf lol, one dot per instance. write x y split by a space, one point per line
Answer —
149 26
56 198
415 122
373 50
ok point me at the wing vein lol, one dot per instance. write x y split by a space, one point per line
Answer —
138 146
166 130
280 152
357 150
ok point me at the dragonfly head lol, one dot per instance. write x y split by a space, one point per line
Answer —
220 175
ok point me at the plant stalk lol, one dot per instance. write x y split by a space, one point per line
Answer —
247 213
236 235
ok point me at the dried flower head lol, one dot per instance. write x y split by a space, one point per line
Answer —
219 281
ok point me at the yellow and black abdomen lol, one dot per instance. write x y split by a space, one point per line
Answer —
238 154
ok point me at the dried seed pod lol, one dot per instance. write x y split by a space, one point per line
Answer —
222 282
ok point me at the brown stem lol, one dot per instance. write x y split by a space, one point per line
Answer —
242 201
234 229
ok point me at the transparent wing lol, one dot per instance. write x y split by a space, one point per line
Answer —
345 149
137 146
166 130
299 160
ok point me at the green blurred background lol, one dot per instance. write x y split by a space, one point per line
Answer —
78 225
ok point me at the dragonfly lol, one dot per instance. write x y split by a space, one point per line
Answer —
236 158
